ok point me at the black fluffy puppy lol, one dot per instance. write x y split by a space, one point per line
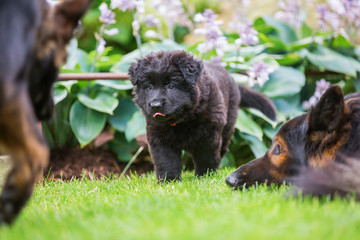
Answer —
189 105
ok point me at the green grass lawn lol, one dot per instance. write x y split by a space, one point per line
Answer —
204 208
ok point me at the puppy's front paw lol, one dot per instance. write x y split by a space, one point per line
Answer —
205 171
168 178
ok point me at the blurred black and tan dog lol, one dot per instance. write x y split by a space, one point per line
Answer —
189 105
33 39
310 149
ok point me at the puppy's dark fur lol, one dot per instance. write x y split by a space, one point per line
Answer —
189 105
310 141
33 39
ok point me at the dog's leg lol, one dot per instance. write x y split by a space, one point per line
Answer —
21 139
167 162
226 141
207 156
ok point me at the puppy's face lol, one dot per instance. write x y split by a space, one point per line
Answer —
55 29
165 85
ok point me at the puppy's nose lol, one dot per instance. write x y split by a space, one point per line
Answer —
155 106
232 181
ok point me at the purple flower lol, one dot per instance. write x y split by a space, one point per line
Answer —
151 34
128 5
173 12
135 26
101 46
259 73
107 16
291 12
248 35
207 17
111 32
327 18
214 38
321 87
341 17
151 21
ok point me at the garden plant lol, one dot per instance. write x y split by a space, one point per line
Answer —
284 56
280 56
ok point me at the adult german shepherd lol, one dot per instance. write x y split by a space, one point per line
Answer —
317 140
33 37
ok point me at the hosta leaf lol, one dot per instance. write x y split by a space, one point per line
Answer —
135 126
86 123
247 125
122 114
103 102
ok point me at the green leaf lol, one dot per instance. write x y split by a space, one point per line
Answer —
122 114
258 113
285 81
341 42
126 61
258 147
249 51
271 132
327 59
273 44
228 160
262 27
67 84
77 58
86 123
267 59
288 59
306 31
290 106
302 43
240 78
286 33
136 126
103 102
116 84
247 125
122 148
60 94
357 51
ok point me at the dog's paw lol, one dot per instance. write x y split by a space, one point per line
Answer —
199 172
168 178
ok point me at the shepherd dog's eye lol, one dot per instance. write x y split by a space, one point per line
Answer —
278 150
171 86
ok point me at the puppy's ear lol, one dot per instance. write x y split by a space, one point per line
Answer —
67 15
329 112
133 70
189 66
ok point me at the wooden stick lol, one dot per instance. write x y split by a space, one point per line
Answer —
92 76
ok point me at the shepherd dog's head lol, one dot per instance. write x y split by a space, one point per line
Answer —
165 84
313 140
54 31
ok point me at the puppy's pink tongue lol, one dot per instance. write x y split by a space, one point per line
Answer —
159 114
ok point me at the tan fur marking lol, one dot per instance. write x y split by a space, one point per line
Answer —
320 160
278 160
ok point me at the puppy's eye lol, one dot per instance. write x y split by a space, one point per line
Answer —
149 87
171 86
278 150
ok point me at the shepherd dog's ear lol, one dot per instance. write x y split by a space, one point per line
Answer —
329 112
66 16
190 67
